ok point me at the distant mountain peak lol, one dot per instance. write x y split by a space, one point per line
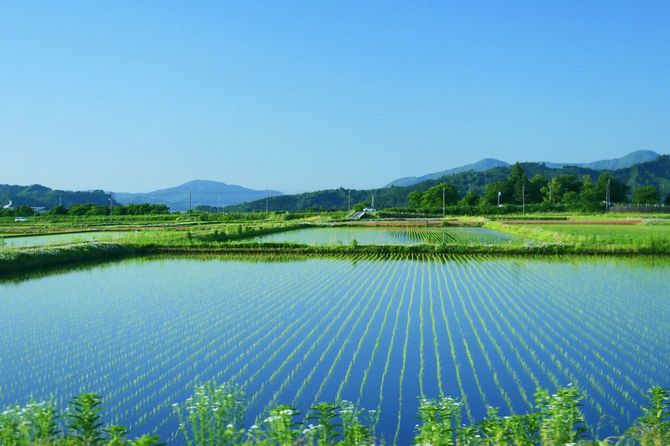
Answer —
481 165
197 193
636 157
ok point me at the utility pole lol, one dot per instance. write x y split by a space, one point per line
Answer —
190 202
111 205
523 198
662 194
349 201
373 201
607 197
499 194
443 203
267 203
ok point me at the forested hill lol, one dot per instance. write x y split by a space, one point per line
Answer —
41 196
639 156
654 173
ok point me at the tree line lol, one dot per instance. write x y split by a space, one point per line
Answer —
539 193
80 210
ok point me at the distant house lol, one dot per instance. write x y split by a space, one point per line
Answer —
369 210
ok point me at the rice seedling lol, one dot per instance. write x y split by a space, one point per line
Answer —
404 351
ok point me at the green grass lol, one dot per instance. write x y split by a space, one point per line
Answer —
642 236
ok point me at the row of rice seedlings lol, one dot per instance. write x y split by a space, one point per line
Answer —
522 340
433 325
144 353
341 312
443 285
337 309
276 318
501 332
543 336
473 368
519 339
609 322
189 356
475 330
301 284
578 334
421 336
363 337
577 330
474 283
210 349
394 331
371 292
391 300
532 330
274 343
404 351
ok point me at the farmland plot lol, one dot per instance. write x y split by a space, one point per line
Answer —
378 332
393 235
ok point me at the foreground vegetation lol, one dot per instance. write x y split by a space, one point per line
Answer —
215 415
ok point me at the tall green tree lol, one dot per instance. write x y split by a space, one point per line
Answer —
470 199
515 184
491 192
556 190
646 195
590 200
431 200
414 199
534 189
618 189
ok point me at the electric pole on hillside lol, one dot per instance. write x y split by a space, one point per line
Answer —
267 203
523 198
349 200
373 201
190 202
499 194
443 203
607 197
111 205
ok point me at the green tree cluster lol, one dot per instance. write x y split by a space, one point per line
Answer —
433 199
646 195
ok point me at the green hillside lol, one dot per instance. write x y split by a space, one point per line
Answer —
654 173
41 196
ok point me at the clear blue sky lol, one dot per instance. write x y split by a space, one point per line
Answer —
289 95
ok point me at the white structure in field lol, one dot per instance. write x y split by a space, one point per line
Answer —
8 206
